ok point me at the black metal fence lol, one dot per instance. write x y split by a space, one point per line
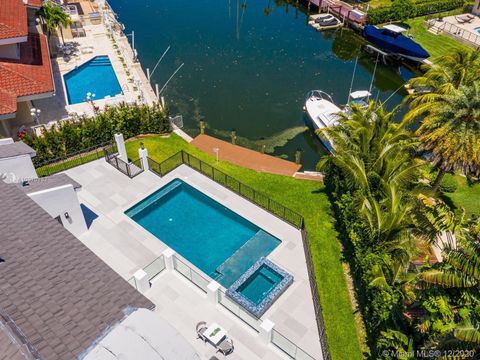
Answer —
290 216
130 169
315 297
69 161
262 200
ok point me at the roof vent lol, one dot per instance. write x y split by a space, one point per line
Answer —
25 183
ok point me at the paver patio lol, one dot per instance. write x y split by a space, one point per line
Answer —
127 247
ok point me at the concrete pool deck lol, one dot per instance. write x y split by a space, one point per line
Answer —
97 42
127 247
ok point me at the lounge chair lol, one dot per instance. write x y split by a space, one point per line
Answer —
225 347
201 328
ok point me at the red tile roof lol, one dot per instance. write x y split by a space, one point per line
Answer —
34 3
13 19
29 75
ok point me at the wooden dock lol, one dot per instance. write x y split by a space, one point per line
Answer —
244 157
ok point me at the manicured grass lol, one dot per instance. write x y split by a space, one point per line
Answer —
68 163
466 196
436 45
309 199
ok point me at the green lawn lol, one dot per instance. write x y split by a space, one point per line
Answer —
466 196
309 199
436 45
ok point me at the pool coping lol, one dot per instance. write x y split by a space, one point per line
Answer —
259 309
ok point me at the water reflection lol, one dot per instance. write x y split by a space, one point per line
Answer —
249 64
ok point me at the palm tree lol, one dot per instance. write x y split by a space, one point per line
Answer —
450 109
371 149
53 16
456 280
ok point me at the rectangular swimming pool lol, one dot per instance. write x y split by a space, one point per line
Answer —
96 76
215 239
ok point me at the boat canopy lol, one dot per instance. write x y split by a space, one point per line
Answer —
360 94
395 28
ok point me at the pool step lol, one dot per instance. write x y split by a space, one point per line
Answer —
261 244
150 200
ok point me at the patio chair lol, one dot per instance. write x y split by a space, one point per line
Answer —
201 328
225 347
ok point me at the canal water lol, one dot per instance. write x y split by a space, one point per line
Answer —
248 65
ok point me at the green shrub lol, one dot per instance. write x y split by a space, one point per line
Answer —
422 7
448 184
403 9
67 138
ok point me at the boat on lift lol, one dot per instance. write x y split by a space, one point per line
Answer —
322 113
390 39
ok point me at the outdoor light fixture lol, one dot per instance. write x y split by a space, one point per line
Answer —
35 113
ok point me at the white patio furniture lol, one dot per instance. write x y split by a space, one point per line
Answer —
200 328
215 334
225 347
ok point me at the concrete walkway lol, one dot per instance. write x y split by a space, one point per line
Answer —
245 157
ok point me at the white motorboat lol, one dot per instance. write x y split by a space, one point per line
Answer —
326 20
322 113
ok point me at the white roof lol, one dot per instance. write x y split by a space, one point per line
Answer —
395 28
360 94
142 335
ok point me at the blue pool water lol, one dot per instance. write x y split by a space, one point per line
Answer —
259 284
212 237
96 76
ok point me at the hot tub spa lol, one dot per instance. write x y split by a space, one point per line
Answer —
258 288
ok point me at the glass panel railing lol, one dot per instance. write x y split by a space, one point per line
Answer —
155 267
236 309
302 355
199 280
190 273
288 347
284 344
131 281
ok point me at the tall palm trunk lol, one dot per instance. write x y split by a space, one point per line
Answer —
438 179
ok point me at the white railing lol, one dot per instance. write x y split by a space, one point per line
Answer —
153 269
194 276
236 309
460 33
288 347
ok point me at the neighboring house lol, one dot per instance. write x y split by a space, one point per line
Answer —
16 161
25 66
57 298
56 194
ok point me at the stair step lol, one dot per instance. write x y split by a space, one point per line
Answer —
261 244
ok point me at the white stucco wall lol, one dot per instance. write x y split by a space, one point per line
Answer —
17 168
60 200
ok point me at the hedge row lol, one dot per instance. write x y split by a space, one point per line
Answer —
423 7
72 137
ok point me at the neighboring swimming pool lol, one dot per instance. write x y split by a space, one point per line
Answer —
215 239
95 76
477 30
